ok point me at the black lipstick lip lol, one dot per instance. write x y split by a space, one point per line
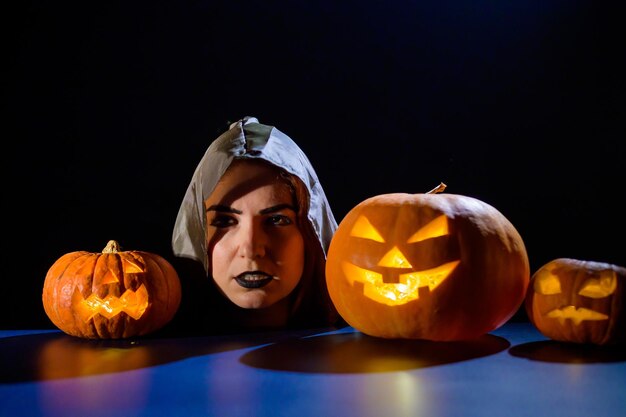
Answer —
253 279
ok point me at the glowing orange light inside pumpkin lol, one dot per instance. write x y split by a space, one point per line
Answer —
435 228
599 288
395 259
133 303
408 285
577 315
363 228
547 283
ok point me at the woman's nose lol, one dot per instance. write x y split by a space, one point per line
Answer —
252 241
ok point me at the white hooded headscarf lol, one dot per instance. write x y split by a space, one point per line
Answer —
246 138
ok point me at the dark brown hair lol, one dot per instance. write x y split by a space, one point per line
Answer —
310 302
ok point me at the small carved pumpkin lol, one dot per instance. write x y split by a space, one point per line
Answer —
426 266
110 295
578 301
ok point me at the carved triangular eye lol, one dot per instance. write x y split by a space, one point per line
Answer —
600 287
363 228
132 266
546 283
437 227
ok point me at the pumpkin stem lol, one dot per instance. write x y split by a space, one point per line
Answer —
111 247
438 189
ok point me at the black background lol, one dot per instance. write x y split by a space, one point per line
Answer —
109 107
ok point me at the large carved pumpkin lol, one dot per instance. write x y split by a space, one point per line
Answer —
110 295
426 266
579 301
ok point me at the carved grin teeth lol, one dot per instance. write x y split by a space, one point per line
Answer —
254 279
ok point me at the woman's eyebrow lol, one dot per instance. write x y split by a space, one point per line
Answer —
224 209
277 207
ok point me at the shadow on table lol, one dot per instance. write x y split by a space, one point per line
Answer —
55 355
358 353
562 352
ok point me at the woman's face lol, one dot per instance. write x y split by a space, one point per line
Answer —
256 249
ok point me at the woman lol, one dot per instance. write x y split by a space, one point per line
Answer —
255 221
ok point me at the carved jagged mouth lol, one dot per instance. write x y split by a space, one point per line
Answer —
401 292
577 315
253 279
133 303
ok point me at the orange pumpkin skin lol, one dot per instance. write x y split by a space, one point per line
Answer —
455 265
571 300
111 295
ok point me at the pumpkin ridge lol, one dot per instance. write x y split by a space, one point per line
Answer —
157 278
50 300
170 301
615 306
87 260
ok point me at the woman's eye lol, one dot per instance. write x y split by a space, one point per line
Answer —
279 220
223 221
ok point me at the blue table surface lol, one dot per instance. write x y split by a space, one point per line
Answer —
513 371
